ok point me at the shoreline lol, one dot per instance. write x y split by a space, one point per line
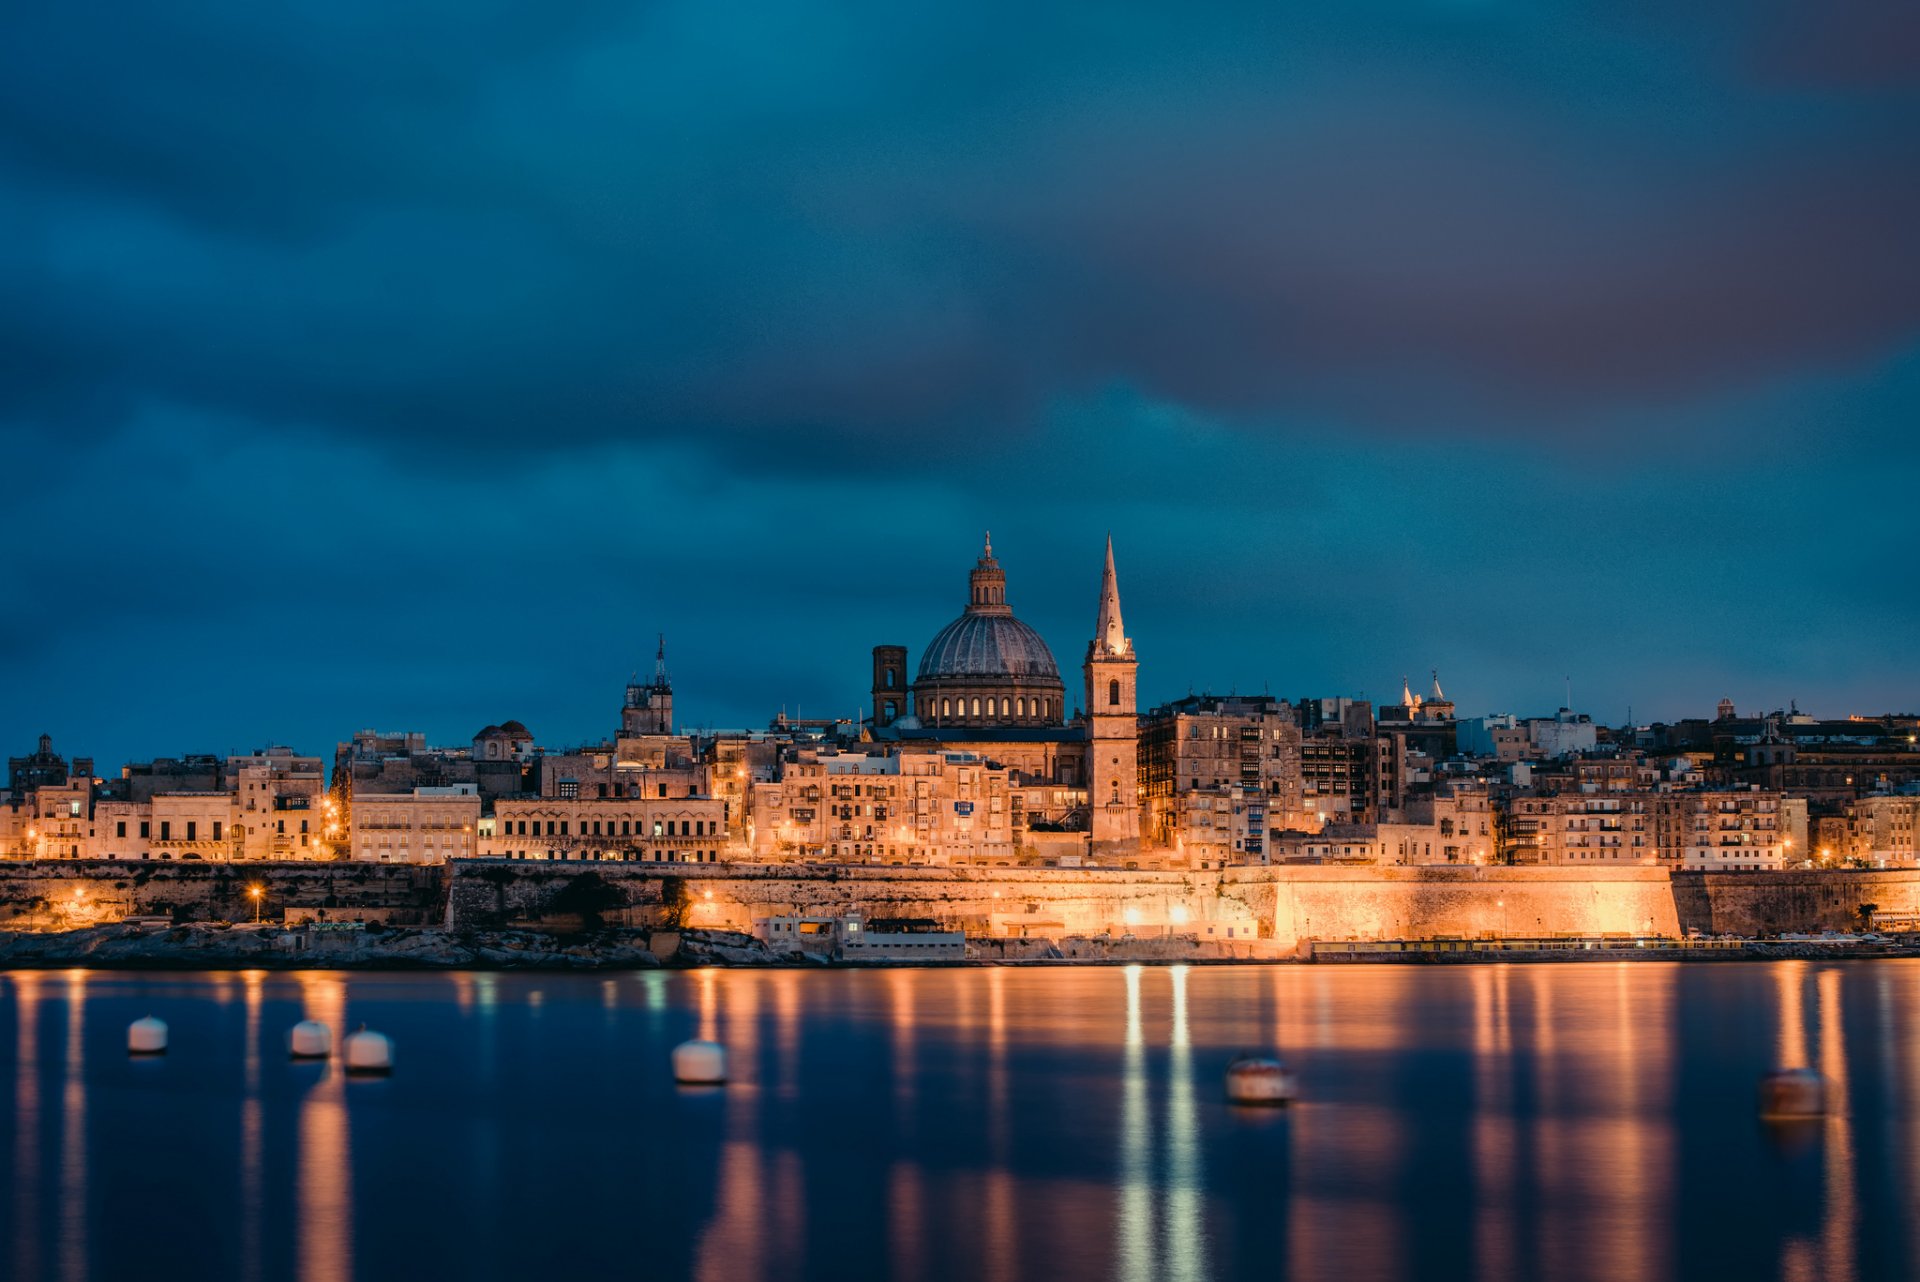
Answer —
206 947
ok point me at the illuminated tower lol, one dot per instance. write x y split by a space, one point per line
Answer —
1113 741
649 708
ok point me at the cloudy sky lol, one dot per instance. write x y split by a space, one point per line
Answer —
413 365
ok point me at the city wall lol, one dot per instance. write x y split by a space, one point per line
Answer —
1277 907
1274 907
1759 903
71 893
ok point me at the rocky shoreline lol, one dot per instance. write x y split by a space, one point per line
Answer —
201 946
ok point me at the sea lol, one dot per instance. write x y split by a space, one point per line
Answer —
1493 1121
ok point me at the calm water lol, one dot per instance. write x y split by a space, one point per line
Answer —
1591 1121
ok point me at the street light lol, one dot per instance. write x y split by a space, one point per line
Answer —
256 891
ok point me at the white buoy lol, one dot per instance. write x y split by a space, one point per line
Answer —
368 1052
147 1036
1793 1094
1254 1079
310 1039
700 1063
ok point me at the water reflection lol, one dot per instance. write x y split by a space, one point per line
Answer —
26 1114
325 1180
1497 1122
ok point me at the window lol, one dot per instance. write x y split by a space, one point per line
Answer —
976 707
1113 693
1020 705
144 827
216 830
889 682
946 707
120 829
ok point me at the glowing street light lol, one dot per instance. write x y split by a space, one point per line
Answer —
257 892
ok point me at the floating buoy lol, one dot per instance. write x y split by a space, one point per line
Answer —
1792 1094
147 1036
700 1063
368 1052
1255 1079
310 1039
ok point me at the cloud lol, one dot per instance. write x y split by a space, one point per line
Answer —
813 238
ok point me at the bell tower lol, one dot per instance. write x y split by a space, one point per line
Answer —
649 708
889 684
1113 735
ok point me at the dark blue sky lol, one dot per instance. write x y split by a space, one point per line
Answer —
412 365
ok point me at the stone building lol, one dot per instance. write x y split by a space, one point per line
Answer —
986 669
1113 728
688 829
281 809
1215 743
1881 830
425 825
892 807
1711 830
649 708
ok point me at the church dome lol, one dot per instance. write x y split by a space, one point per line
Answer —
987 645
986 669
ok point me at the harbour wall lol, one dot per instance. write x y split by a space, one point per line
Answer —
1276 908
54 894
1807 901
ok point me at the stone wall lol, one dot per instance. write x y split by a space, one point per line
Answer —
1758 903
1337 902
1278 907
70 893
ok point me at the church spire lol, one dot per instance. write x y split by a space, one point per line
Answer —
660 664
1110 634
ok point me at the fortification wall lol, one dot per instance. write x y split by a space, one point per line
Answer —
1278 907
71 893
1758 903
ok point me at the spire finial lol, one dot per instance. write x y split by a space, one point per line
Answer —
1110 634
989 551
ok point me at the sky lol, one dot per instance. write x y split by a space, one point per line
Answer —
413 366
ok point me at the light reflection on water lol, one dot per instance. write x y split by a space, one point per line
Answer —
1580 1121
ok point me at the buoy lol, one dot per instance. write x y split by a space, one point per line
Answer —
700 1063
310 1039
1255 1079
147 1036
1792 1094
368 1052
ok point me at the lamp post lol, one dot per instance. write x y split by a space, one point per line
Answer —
256 892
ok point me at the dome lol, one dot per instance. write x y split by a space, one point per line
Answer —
987 645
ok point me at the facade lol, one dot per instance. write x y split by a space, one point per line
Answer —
427 825
1881 830
680 829
1233 753
927 808
1716 830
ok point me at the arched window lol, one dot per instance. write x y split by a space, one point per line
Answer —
1021 704
1046 708
889 678
976 707
1113 693
946 707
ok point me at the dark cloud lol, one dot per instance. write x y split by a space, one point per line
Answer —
1366 326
